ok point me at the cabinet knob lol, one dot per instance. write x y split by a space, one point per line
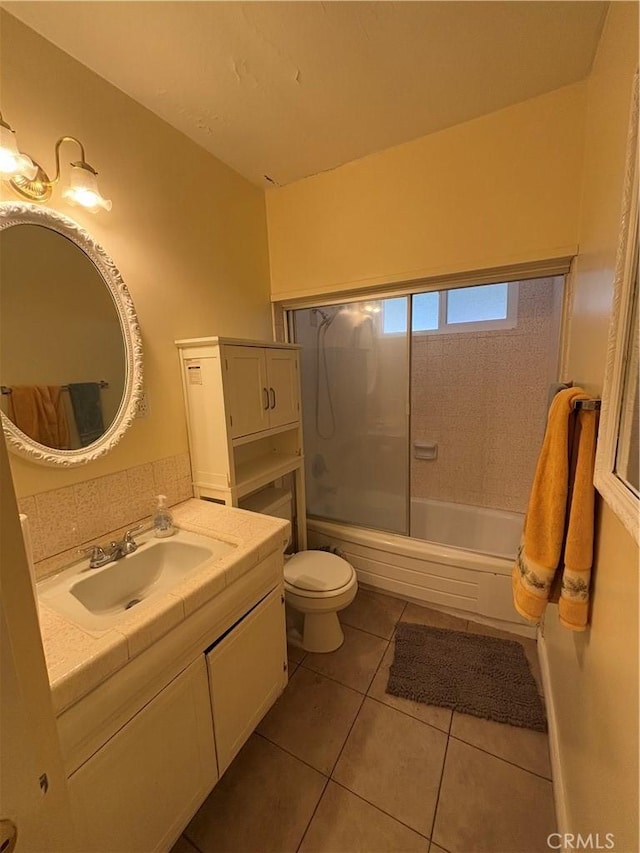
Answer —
273 398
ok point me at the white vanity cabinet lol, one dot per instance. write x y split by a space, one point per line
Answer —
247 672
141 788
242 400
144 748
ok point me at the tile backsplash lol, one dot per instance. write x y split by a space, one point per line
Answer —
64 519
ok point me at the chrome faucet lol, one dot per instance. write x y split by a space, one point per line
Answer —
99 556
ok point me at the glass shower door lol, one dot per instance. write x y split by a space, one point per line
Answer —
355 404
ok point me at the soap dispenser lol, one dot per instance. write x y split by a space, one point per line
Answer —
163 520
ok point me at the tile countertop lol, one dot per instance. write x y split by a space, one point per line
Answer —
78 659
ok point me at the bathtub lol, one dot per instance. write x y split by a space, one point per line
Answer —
493 532
467 570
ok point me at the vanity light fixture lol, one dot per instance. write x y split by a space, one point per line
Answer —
12 161
32 183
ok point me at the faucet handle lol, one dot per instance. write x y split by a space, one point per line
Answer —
129 544
128 536
97 556
96 552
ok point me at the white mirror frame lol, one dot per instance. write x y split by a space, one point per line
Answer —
615 492
19 213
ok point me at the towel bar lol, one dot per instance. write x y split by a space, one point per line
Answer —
590 405
4 389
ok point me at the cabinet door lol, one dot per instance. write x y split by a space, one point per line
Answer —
282 374
145 784
247 673
246 389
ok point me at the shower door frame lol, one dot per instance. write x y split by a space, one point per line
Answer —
289 335
564 266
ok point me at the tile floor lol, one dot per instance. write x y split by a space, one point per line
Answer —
338 765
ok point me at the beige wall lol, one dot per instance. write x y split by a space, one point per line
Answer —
188 233
500 189
594 675
482 397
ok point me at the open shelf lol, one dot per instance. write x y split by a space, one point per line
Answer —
254 473
267 433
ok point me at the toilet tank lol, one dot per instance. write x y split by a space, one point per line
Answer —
270 501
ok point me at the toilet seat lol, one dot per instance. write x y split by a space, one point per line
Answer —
317 574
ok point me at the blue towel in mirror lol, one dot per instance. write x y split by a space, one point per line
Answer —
87 410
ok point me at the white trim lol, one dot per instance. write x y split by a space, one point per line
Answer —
18 213
568 296
559 789
380 289
624 503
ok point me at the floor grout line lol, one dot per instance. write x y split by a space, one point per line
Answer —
373 805
293 755
344 743
364 630
329 779
411 717
330 678
313 814
437 803
500 757
377 670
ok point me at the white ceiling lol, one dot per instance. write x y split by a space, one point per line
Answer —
289 89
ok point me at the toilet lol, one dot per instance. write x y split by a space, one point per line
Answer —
317 584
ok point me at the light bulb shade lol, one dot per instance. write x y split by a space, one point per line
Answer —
12 162
83 189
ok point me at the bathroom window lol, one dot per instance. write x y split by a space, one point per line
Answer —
483 308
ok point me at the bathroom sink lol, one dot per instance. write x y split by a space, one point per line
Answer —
98 598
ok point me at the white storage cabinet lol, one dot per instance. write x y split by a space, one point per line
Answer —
242 400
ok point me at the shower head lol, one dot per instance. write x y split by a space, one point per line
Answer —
327 319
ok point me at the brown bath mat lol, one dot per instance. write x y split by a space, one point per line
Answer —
484 676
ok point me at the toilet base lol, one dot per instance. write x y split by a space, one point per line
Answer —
312 616
322 632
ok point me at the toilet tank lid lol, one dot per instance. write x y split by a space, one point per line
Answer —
317 570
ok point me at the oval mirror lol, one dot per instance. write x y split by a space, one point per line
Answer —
70 348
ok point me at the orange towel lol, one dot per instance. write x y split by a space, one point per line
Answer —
573 607
38 410
558 492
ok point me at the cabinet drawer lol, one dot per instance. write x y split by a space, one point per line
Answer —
247 673
143 786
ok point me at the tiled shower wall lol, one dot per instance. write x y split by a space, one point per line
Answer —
482 397
63 520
